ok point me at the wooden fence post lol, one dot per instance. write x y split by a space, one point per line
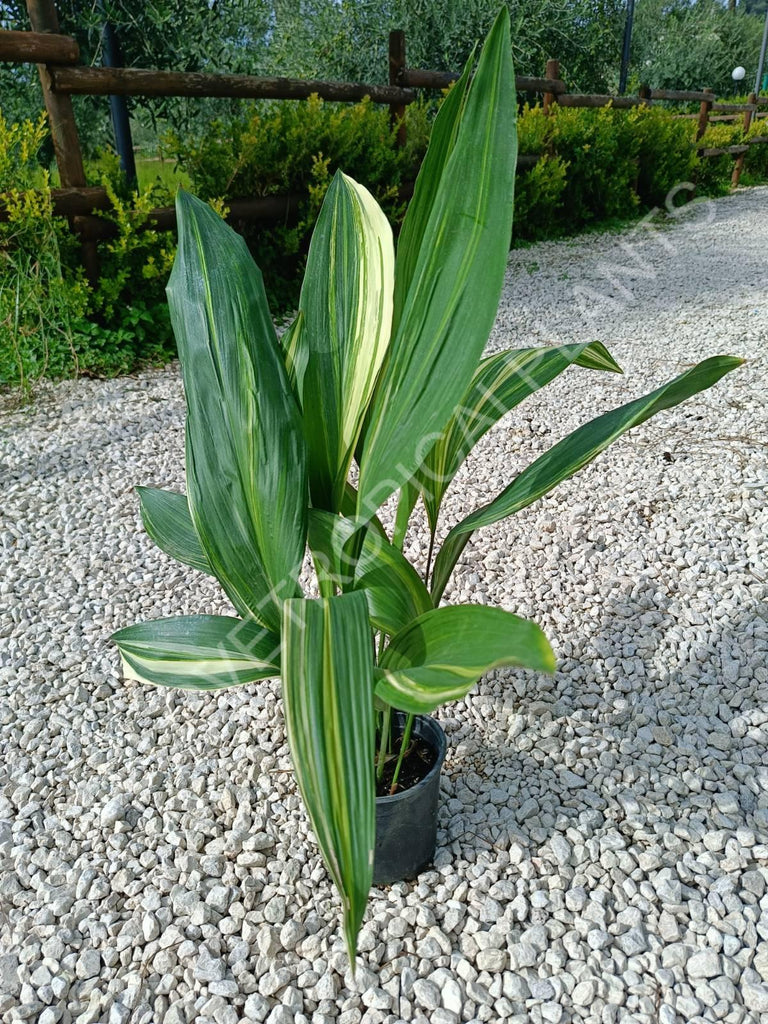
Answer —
61 119
645 93
704 109
738 167
396 69
553 71
66 144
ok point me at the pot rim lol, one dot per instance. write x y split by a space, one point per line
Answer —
435 769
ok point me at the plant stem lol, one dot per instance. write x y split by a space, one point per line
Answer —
429 557
406 739
384 742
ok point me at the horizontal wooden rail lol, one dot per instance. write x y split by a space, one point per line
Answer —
618 102
718 117
38 48
83 202
734 108
416 78
73 202
681 95
140 82
726 150
266 209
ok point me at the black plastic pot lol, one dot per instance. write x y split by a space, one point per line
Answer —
406 823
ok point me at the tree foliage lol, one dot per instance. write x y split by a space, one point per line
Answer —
677 43
687 45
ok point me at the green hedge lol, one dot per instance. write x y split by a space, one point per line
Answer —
598 167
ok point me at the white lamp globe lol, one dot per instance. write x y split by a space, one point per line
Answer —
738 74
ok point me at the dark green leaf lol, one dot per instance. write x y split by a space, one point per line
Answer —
395 592
246 459
166 519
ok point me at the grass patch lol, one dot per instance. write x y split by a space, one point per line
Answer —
156 170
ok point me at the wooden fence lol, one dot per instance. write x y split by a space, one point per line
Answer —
62 76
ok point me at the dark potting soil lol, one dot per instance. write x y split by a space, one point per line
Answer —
417 762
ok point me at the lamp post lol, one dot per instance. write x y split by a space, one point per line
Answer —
118 105
626 47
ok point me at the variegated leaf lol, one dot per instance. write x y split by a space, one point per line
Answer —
328 697
500 383
573 453
454 291
198 652
346 302
442 139
441 655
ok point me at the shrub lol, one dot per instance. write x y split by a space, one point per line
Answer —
128 303
53 323
39 306
539 199
666 154
713 176
756 162
605 164
601 151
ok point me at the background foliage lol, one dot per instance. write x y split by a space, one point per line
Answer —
676 43
597 165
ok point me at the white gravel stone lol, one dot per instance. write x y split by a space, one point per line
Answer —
256 1007
427 994
755 996
491 960
704 964
602 831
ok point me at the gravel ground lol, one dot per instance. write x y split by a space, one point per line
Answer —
603 843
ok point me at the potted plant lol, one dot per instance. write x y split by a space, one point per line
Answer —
382 367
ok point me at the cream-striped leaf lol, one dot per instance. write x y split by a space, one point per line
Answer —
500 382
573 453
328 695
441 655
454 292
346 302
198 652
246 457
166 519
